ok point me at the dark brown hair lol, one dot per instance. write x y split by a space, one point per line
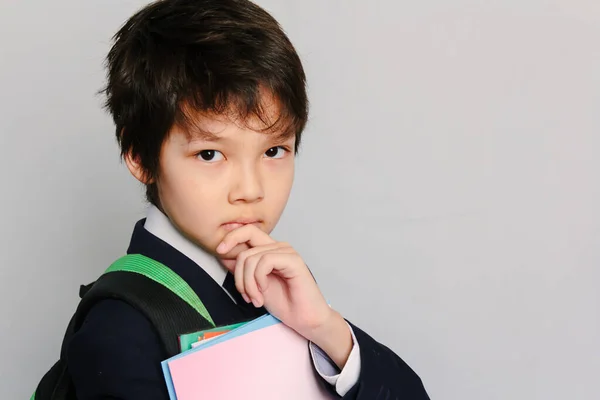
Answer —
176 57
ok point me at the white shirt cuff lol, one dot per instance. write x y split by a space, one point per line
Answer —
345 380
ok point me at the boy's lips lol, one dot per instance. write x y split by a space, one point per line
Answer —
238 223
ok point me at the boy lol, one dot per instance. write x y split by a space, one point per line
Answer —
209 102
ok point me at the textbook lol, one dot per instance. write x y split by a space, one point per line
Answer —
261 359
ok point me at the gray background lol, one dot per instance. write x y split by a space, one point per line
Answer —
446 197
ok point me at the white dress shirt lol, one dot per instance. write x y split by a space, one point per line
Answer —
160 226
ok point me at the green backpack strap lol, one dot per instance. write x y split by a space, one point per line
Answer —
164 275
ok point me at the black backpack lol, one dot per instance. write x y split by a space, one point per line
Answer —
152 288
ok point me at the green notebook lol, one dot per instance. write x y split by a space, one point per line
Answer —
186 340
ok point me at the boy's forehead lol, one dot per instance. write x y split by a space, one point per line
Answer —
209 126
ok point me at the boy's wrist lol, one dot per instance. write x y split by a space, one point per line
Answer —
334 337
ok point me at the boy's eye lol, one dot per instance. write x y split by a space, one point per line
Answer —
210 155
275 152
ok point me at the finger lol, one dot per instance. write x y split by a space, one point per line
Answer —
238 275
249 234
278 246
229 259
244 268
261 273
250 285
278 263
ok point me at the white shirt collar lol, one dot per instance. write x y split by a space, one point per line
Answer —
161 226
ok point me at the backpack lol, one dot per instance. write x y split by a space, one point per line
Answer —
168 302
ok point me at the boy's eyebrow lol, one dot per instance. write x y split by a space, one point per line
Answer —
283 136
211 137
194 134
203 136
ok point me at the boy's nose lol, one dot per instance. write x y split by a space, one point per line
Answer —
247 186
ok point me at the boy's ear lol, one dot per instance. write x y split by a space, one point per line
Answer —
136 169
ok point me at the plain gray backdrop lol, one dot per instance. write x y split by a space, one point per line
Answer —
446 196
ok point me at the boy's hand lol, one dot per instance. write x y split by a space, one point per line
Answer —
272 274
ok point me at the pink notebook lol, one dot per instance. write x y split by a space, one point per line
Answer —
270 363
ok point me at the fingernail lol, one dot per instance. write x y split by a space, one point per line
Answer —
246 298
221 247
255 302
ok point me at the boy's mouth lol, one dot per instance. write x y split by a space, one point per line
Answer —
231 225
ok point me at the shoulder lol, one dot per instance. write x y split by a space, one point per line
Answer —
112 319
115 351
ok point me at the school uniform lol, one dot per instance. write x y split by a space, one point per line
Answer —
116 354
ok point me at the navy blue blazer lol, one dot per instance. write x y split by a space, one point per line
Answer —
117 354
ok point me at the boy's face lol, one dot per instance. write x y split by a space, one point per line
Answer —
210 186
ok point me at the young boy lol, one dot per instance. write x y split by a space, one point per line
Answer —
209 102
